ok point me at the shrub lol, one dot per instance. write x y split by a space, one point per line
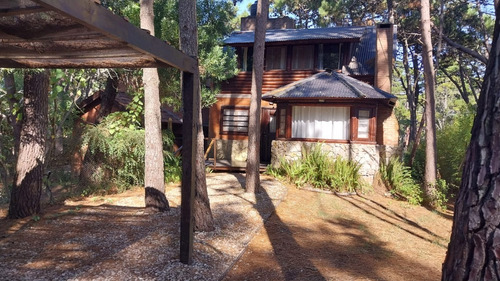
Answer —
398 179
319 170
116 153
452 142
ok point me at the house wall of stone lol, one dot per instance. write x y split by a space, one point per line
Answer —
233 151
368 155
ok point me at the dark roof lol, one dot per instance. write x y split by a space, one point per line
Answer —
78 34
283 35
327 85
363 60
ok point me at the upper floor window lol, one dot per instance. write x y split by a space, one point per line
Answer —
275 58
303 57
247 59
329 56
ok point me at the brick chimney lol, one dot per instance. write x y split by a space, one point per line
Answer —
248 23
384 57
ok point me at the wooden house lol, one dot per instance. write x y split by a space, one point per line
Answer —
325 85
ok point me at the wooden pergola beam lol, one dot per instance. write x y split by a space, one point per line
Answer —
21 11
95 17
156 53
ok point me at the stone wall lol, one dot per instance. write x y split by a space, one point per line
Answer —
368 155
234 151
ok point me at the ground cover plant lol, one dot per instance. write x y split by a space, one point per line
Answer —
320 170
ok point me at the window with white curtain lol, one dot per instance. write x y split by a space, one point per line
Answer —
320 122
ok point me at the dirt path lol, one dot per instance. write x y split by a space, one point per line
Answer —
317 236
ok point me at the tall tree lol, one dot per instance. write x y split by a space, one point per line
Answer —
430 104
475 238
253 153
154 178
188 42
28 179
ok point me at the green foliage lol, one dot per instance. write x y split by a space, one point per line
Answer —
216 63
452 142
119 151
442 191
121 148
173 167
319 170
398 179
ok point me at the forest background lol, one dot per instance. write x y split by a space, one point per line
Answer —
462 33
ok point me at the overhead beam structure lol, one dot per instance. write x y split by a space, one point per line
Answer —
84 34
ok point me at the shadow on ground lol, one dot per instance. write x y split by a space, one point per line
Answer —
314 236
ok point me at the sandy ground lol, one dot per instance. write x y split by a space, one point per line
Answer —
309 236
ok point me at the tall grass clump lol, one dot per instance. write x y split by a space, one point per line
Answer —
398 179
316 168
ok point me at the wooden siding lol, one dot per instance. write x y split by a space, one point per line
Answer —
273 79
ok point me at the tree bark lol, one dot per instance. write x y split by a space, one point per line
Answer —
188 42
430 105
27 188
475 238
154 178
253 152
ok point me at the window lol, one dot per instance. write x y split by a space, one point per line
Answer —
282 124
275 58
303 57
320 122
364 124
234 120
247 59
329 56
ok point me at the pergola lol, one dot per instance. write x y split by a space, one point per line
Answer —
84 34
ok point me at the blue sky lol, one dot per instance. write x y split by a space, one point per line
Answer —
242 6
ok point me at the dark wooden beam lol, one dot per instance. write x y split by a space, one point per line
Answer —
96 17
81 63
22 11
6 53
189 134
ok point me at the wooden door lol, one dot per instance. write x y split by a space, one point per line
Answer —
268 133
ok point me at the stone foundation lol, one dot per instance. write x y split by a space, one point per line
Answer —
234 151
368 155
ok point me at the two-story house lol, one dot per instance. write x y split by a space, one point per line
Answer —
324 85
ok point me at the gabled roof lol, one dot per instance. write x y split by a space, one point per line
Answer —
283 35
78 34
328 85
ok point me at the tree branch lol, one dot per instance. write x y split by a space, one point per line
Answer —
463 49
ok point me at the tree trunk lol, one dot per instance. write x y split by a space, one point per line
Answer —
203 219
154 178
253 152
430 106
27 188
475 238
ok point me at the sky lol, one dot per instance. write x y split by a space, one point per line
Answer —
243 6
